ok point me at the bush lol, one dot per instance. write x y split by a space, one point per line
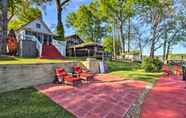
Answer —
152 64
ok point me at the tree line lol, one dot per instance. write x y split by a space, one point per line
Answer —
122 26
127 25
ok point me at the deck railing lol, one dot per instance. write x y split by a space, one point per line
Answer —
34 39
60 45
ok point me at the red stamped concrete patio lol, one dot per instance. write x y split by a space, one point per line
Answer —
166 100
110 99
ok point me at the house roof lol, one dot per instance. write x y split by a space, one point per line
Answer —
40 18
75 36
89 44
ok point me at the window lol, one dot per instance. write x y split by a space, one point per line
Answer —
38 25
39 38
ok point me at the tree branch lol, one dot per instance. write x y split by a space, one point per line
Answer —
63 3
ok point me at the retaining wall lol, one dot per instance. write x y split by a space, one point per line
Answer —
21 76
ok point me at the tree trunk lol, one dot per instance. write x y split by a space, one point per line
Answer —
114 40
168 50
164 49
60 27
129 35
122 37
3 31
164 46
152 49
141 50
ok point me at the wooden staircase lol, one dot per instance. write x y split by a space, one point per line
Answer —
49 51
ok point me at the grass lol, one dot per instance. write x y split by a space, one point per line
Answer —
19 60
138 74
131 70
29 103
117 65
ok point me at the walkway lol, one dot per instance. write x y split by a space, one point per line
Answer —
96 100
166 100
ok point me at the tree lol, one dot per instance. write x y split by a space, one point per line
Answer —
3 26
88 22
21 12
117 12
174 28
153 14
107 44
60 5
23 9
140 38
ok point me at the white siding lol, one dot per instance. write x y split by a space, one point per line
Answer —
32 26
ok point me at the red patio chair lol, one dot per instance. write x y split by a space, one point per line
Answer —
84 74
63 76
177 69
166 70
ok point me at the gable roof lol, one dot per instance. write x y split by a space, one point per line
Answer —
75 36
41 20
84 45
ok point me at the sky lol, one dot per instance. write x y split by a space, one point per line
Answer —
49 16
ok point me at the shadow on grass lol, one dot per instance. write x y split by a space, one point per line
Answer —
7 58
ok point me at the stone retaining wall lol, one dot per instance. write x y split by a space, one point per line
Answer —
20 76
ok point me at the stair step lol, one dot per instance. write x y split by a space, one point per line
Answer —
50 52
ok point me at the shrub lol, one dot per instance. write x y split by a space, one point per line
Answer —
152 64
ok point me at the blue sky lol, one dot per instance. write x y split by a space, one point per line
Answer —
49 16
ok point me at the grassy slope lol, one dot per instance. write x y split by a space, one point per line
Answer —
28 103
131 70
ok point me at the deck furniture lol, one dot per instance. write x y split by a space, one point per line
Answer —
177 69
62 76
83 74
166 70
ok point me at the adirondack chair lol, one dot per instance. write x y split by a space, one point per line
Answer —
166 70
177 69
83 74
63 76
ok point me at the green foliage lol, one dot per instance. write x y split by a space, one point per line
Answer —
14 24
20 12
88 22
152 64
87 40
108 44
133 52
60 33
116 9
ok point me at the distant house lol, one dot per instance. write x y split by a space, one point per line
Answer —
77 47
72 41
32 37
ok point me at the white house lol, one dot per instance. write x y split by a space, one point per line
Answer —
33 35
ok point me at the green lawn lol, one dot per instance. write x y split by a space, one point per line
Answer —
131 70
29 103
19 60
